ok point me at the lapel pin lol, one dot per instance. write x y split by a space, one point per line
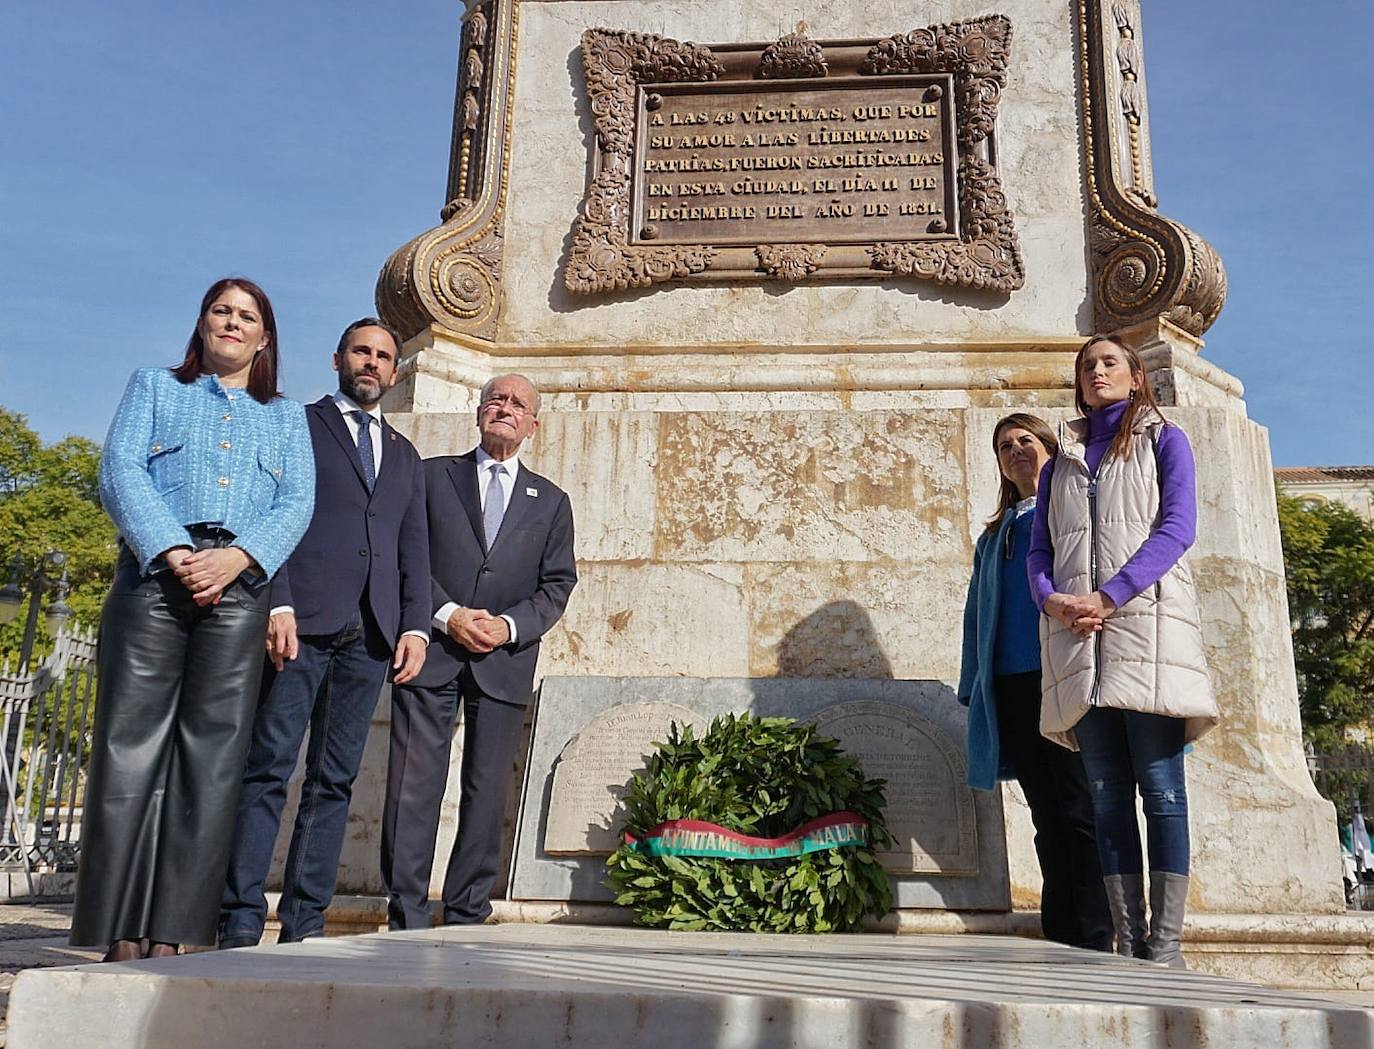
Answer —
533 493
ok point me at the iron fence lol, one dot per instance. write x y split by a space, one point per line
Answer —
1345 777
45 723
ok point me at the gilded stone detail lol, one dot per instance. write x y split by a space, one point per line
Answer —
792 57
790 262
451 275
1144 264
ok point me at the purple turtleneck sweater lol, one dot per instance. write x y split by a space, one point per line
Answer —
1167 543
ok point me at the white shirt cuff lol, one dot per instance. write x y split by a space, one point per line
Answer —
441 620
280 609
416 633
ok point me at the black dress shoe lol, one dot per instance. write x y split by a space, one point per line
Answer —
302 938
228 943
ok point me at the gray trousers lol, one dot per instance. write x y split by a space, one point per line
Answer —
422 723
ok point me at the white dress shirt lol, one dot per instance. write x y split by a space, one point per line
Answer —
506 479
347 406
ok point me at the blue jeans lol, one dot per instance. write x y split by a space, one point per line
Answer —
332 686
1125 751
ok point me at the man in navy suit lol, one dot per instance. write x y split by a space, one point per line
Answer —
501 557
351 602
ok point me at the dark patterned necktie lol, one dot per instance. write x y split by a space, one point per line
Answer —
365 459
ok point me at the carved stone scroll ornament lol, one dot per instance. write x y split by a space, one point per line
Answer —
794 56
1144 264
451 275
790 262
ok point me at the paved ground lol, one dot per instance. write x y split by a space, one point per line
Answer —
32 937
35 936
522 985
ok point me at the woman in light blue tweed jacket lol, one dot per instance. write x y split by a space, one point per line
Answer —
208 474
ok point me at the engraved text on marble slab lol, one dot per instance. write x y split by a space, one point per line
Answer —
595 767
929 808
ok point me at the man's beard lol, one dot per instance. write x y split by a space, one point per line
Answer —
349 385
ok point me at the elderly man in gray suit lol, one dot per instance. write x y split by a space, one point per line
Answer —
501 558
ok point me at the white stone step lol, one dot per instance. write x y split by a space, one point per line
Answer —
557 985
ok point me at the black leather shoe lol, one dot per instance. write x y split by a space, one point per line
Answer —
302 938
228 943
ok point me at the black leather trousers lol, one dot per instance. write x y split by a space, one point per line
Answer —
174 717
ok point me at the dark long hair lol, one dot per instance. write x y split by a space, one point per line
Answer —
1141 399
262 375
1007 495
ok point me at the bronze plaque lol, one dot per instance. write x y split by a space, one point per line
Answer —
796 160
838 161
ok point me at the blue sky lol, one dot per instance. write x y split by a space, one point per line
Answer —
152 146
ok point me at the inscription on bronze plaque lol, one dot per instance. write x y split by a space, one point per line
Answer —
843 161
798 160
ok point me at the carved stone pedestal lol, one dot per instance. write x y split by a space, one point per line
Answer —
779 468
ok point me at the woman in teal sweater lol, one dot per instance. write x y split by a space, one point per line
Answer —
999 682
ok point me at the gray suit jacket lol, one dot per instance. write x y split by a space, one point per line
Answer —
528 573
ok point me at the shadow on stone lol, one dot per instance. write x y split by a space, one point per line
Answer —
836 640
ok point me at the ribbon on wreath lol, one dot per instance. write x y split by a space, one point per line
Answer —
699 838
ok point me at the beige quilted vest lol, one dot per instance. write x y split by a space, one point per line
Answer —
1148 655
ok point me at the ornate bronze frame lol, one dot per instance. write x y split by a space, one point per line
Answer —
986 255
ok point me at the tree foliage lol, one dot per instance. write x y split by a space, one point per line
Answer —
49 501
1328 553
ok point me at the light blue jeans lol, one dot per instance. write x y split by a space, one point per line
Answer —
1125 752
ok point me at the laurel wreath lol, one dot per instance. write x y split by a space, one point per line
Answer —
761 777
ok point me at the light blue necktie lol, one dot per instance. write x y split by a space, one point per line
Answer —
365 458
495 508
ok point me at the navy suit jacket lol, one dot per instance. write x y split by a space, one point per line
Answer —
357 540
527 574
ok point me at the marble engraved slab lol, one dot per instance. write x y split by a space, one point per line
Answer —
591 734
930 810
593 770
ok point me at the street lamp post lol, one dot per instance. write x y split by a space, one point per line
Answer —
43 578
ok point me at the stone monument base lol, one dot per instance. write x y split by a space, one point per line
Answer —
527 985
1317 953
